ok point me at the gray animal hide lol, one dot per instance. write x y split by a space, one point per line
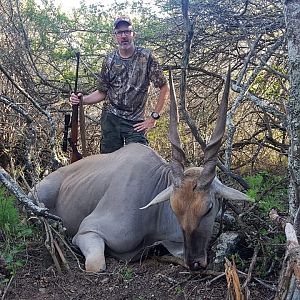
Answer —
104 193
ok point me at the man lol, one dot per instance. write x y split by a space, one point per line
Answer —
124 79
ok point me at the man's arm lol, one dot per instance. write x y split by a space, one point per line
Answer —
163 95
92 98
150 122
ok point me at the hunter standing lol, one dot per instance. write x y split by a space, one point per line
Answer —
124 79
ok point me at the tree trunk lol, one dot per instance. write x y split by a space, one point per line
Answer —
292 19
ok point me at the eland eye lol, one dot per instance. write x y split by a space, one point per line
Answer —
195 186
209 209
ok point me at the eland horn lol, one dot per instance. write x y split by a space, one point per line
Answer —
178 155
211 151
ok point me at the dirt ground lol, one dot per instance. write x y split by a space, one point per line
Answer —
150 279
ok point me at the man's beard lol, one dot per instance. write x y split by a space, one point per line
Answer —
126 45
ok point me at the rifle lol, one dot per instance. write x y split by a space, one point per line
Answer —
74 120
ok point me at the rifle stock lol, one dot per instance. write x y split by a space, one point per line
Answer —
74 135
74 120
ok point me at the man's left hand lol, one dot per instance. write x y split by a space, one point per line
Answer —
145 125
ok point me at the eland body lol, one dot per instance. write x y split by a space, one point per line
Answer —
99 199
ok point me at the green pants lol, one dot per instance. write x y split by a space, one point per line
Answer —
117 132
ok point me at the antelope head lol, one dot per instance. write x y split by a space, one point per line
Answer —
195 191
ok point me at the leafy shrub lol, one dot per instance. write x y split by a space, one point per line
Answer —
269 191
14 233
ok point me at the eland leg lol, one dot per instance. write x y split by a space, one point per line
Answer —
92 247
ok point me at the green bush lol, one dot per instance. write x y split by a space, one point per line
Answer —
269 191
13 231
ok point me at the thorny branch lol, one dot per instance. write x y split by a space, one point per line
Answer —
15 189
39 108
243 90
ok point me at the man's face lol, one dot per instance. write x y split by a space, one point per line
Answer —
124 36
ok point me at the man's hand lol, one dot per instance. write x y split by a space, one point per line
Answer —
74 99
145 125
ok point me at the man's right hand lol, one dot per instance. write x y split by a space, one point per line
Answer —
74 99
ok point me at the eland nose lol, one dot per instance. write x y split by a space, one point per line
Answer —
197 265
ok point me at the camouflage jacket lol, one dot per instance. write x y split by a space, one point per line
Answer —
126 82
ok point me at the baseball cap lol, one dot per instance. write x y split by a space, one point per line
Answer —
120 19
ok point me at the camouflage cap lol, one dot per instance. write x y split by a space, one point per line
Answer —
120 19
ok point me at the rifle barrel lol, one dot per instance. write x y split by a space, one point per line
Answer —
74 120
77 70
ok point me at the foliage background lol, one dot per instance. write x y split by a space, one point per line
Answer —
37 70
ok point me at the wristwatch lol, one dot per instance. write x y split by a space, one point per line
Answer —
155 115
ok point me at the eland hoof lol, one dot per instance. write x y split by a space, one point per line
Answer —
95 264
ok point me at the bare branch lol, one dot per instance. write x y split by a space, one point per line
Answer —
15 189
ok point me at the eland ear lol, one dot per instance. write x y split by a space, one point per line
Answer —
161 197
229 193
